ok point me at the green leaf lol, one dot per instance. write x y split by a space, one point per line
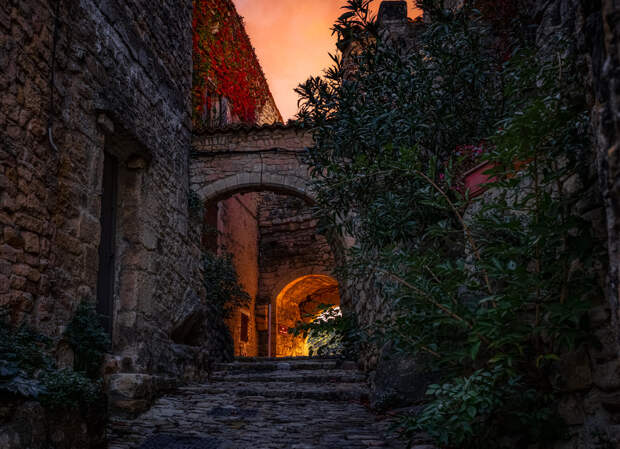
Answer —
474 350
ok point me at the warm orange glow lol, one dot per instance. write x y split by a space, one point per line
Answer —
298 301
292 40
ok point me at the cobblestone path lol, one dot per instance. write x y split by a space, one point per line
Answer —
262 404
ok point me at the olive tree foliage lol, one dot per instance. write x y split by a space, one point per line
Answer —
493 289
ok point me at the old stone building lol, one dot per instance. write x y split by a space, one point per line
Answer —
96 130
103 149
96 122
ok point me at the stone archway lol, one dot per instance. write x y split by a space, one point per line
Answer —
249 158
232 171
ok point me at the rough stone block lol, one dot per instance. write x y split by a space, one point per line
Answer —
13 237
89 228
18 282
31 242
570 408
69 243
4 284
606 376
129 386
21 270
575 371
126 319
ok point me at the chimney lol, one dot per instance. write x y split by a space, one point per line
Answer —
392 11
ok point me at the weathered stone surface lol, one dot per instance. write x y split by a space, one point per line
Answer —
122 86
606 376
131 393
575 371
239 235
296 411
233 159
26 424
188 317
397 381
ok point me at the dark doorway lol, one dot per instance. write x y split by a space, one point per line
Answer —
107 245
245 331
209 236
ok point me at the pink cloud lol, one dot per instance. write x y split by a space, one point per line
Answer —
292 40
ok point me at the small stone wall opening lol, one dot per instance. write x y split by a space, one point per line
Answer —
301 301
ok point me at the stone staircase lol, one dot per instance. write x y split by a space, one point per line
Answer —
262 403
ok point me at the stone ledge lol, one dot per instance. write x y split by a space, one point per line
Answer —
132 393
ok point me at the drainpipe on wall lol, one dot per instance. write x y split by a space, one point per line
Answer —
269 330
50 119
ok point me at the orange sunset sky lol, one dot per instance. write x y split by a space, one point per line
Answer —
292 39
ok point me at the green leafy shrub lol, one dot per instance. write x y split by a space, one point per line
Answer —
194 204
67 389
88 340
494 290
16 381
27 369
23 353
222 284
331 334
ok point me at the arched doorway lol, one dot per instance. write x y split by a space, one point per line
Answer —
273 239
301 300
256 185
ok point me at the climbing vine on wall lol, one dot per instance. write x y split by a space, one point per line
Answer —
225 64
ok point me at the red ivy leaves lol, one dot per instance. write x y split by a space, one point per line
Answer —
224 61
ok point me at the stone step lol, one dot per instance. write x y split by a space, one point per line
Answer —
296 376
288 359
277 365
294 403
282 390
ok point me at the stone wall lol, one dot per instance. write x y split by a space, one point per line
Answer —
250 158
586 379
589 376
595 27
122 86
598 28
238 226
26 424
